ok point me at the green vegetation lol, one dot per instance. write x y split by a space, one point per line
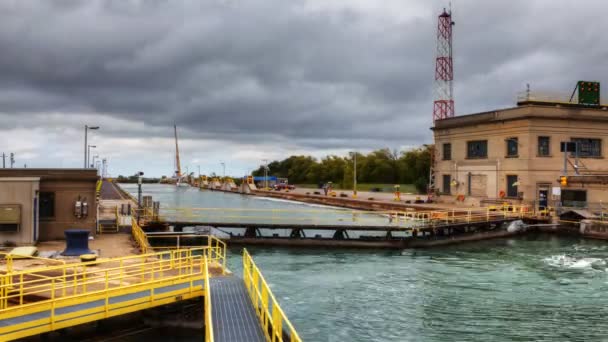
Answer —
375 169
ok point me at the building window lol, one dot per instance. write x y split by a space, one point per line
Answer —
447 183
588 147
477 149
447 151
47 205
574 198
512 185
543 146
512 147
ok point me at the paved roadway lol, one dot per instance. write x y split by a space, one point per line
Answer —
110 192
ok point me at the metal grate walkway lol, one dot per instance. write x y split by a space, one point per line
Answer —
233 315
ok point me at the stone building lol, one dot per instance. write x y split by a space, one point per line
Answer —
515 154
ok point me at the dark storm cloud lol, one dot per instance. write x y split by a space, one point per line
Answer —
277 70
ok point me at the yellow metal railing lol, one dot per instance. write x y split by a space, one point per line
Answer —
53 282
140 236
215 250
56 297
98 186
272 318
207 308
9 260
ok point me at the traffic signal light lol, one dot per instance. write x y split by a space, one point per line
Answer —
563 180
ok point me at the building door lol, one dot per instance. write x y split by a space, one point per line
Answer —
543 200
447 180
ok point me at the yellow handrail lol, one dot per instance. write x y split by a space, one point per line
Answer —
67 280
208 316
271 316
9 258
80 285
140 237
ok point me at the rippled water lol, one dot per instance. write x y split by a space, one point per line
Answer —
175 202
538 287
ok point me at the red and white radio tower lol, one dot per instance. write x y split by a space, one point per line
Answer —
443 106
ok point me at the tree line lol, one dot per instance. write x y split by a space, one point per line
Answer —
381 166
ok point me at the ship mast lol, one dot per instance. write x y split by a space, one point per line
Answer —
178 169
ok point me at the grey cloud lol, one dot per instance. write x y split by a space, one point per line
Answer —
245 71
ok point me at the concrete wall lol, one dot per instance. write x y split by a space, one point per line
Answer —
67 185
66 195
534 172
22 191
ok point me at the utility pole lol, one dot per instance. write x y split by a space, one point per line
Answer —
140 175
3 160
12 159
265 174
104 168
355 176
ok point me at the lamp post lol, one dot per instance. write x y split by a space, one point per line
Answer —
89 153
140 175
86 156
354 154
223 169
93 161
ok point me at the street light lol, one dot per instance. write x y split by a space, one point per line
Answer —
89 153
224 169
354 154
93 161
86 156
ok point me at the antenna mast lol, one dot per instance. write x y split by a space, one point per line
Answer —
443 106
178 169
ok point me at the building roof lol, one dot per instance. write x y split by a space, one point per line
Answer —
526 111
51 174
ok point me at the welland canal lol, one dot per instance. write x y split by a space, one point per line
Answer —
534 287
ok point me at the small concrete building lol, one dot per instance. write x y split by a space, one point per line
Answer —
40 204
515 154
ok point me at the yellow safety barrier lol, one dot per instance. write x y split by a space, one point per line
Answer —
51 298
272 318
9 260
215 250
140 236
207 308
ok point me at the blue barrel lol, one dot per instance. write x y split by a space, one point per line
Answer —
76 242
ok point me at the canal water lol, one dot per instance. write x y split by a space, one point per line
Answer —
537 287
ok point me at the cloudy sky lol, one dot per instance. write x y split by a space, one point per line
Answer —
246 80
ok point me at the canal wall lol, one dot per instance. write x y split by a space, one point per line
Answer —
351 203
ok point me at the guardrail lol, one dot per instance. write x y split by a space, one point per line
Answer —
140 236
40 300
72 279
407 218
215 249
9 260
207 309
275 323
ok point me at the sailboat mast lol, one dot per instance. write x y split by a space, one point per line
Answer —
177 164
